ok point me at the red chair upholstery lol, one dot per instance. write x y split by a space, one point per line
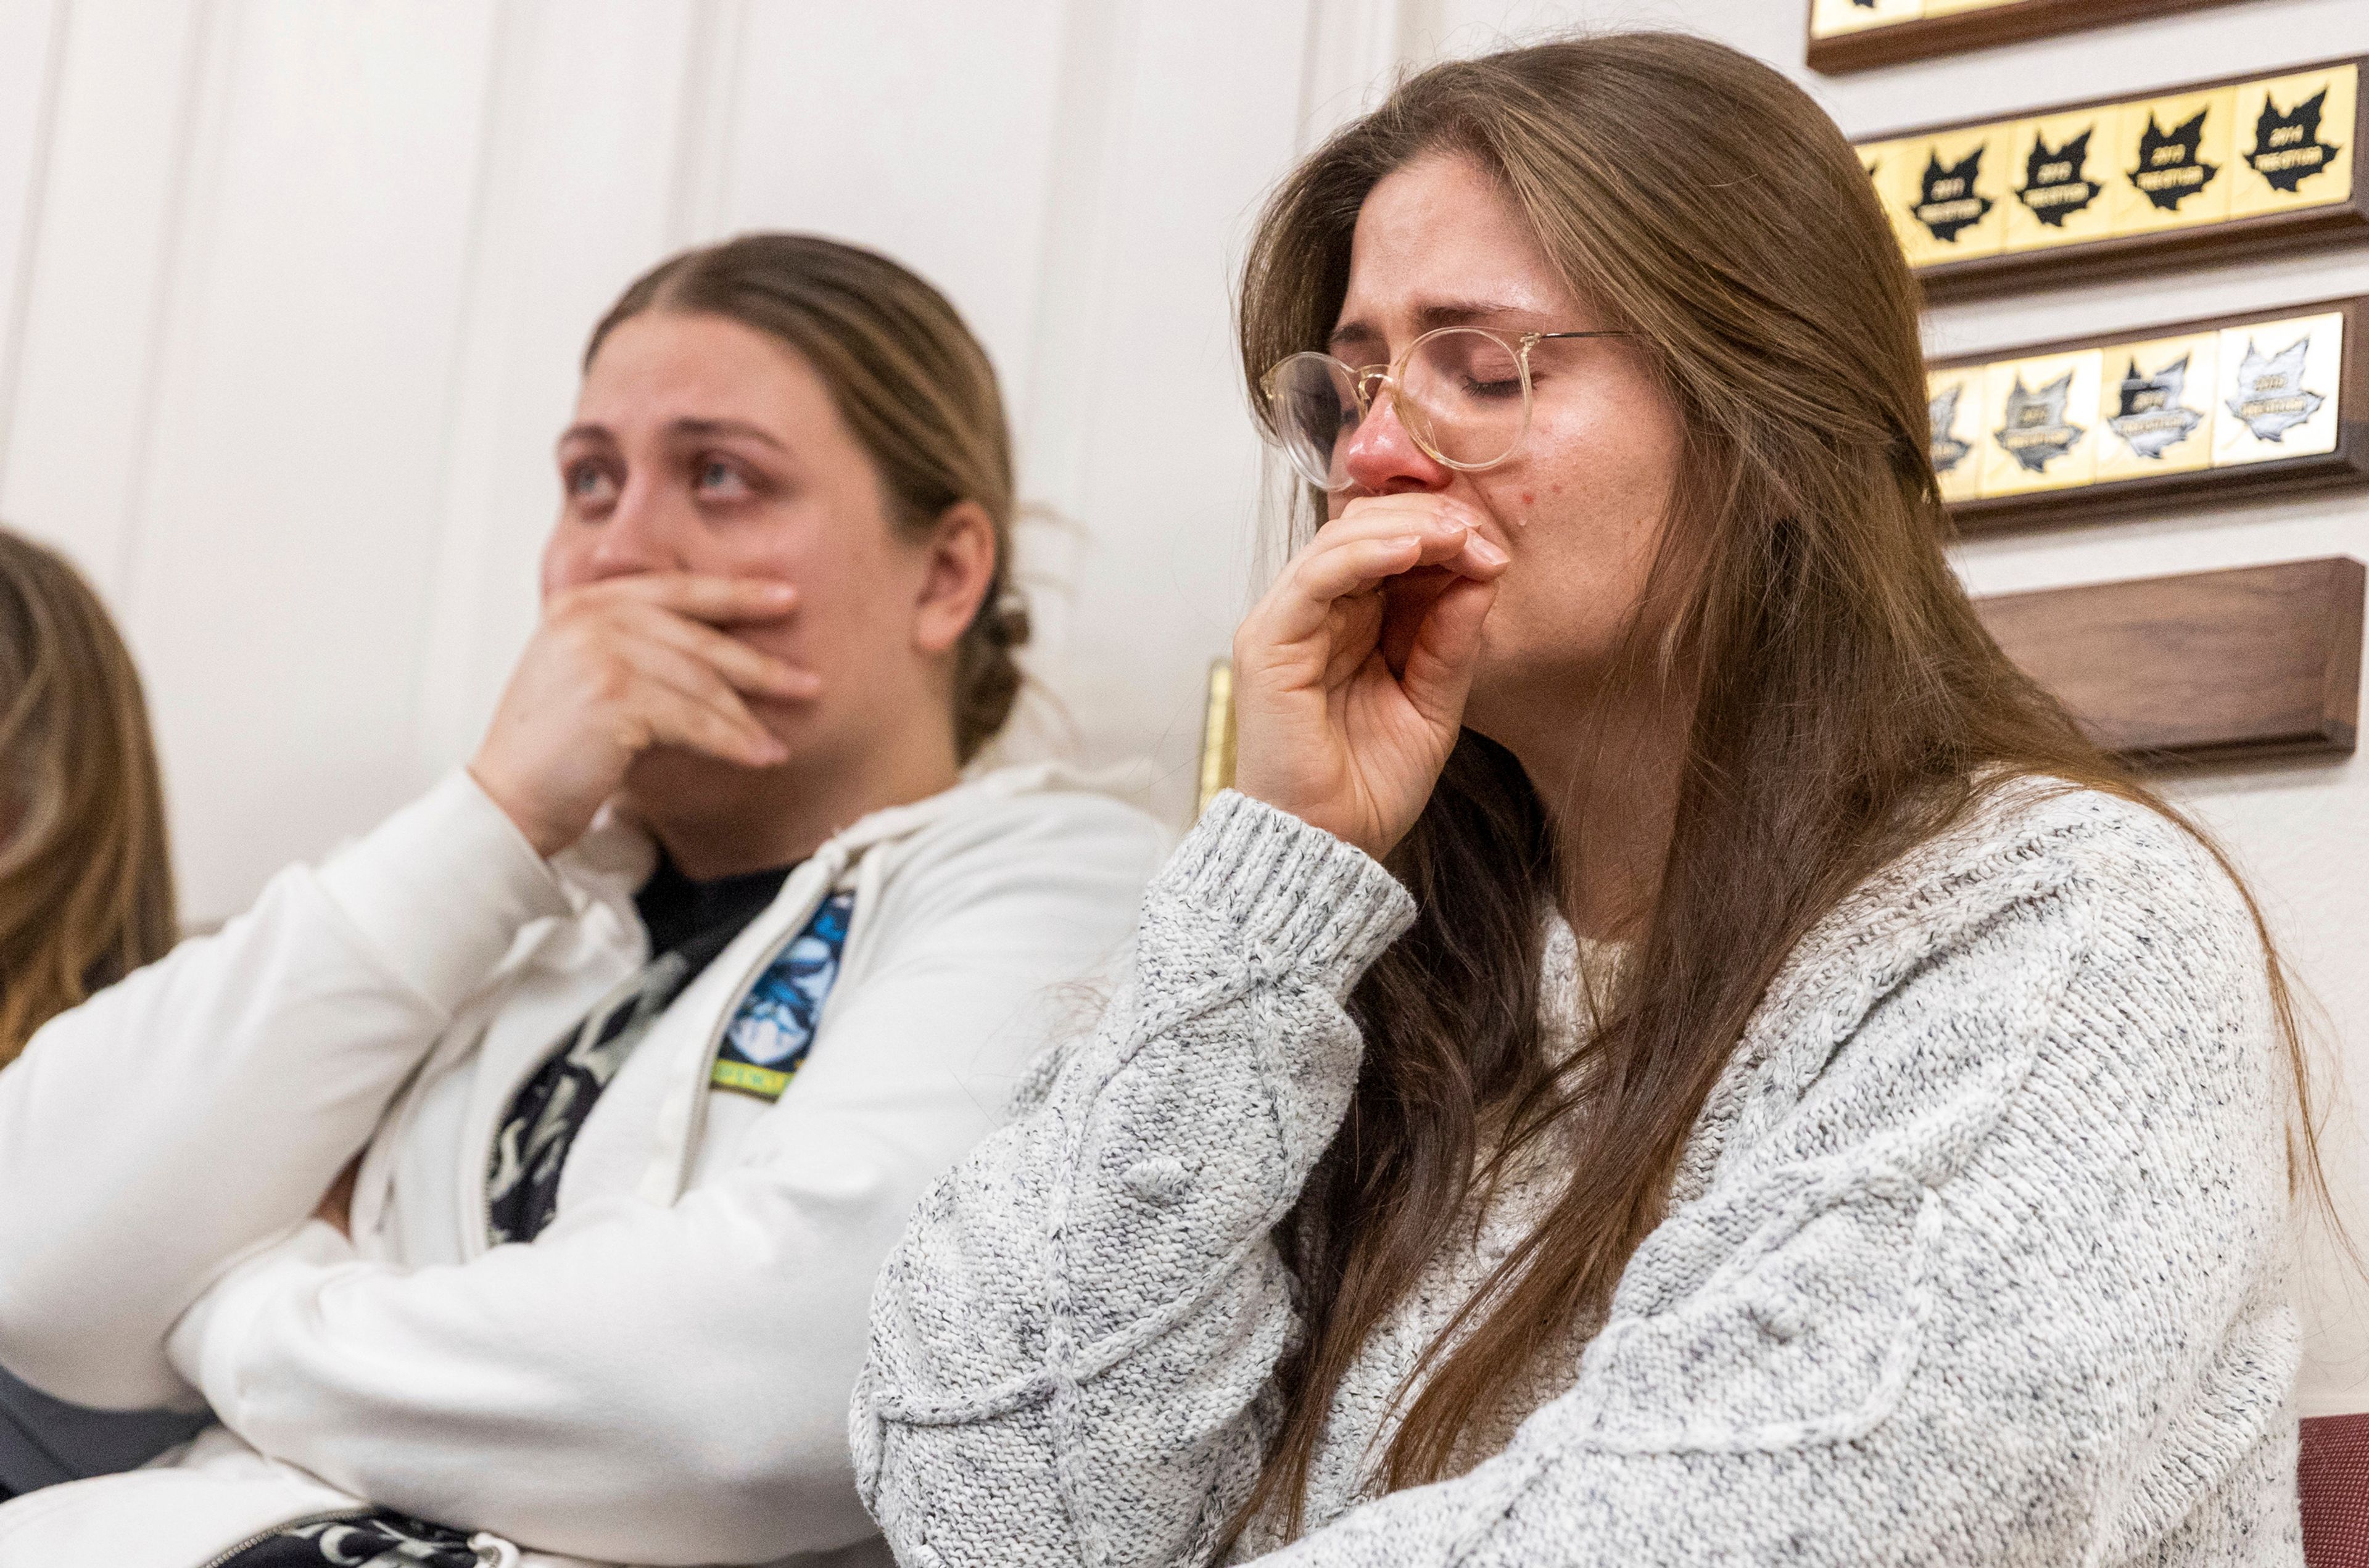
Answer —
2334 1477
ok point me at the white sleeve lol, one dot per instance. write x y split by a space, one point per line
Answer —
201 1107
671 1384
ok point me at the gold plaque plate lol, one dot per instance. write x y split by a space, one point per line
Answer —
1961 430
2064 193
2183 404
1949 194
2157 405
1886 164
2279 390
2173 158
2295 137
2058 172
2043 430
1830 17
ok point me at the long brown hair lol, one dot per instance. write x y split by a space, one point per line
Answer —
1846 701
914 385
85 876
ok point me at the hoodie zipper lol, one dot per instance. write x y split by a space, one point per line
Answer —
490 1550
612 998
259 1537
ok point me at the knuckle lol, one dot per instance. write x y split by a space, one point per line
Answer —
612 680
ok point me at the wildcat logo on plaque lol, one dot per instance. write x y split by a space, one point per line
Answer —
1830 17
2294 140
2182 161
2174 162
2059 168
2181 402
1949 194
1957 425
2278 392
2044 422
2159 413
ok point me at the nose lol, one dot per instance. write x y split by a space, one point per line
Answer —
641 533
1383 457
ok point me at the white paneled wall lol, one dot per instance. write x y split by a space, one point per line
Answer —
291 292
292 295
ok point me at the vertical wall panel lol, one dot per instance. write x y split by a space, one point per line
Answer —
95 273
286 517
1164 478
32 48
572 206
1053 407
919 128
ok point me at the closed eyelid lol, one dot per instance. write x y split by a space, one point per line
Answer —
1353 339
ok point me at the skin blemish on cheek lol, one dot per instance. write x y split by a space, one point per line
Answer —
1555 489
1530 499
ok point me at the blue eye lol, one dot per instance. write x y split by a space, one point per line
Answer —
588 482
716 477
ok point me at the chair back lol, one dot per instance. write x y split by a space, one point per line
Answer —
2333 1476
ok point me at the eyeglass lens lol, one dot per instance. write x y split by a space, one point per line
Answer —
1460 394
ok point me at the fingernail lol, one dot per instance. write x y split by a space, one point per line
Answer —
1486 551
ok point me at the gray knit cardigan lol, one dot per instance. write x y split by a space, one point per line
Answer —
1977 1253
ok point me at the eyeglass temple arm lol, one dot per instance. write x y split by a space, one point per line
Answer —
1607 332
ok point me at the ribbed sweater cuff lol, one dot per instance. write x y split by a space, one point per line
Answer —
1302 895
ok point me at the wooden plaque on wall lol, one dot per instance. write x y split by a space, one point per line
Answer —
2242 165
2260 661
1851 35
2197 412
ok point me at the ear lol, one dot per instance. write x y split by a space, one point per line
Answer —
960 568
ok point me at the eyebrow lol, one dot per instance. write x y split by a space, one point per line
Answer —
1454 313
678 429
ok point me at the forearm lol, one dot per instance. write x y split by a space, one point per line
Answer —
667 1386
1092 1301
200 1106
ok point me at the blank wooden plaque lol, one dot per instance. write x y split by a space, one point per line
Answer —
2260 661
1953 34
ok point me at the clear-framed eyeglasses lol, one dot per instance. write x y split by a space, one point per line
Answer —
1463 393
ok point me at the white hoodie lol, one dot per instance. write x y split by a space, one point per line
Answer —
662 1374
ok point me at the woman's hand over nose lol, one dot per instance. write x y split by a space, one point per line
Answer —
1350 675
618 667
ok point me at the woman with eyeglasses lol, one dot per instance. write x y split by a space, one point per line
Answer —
516 1180
1676 1053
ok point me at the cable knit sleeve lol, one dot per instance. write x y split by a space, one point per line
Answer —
1985 1265
1069 1345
